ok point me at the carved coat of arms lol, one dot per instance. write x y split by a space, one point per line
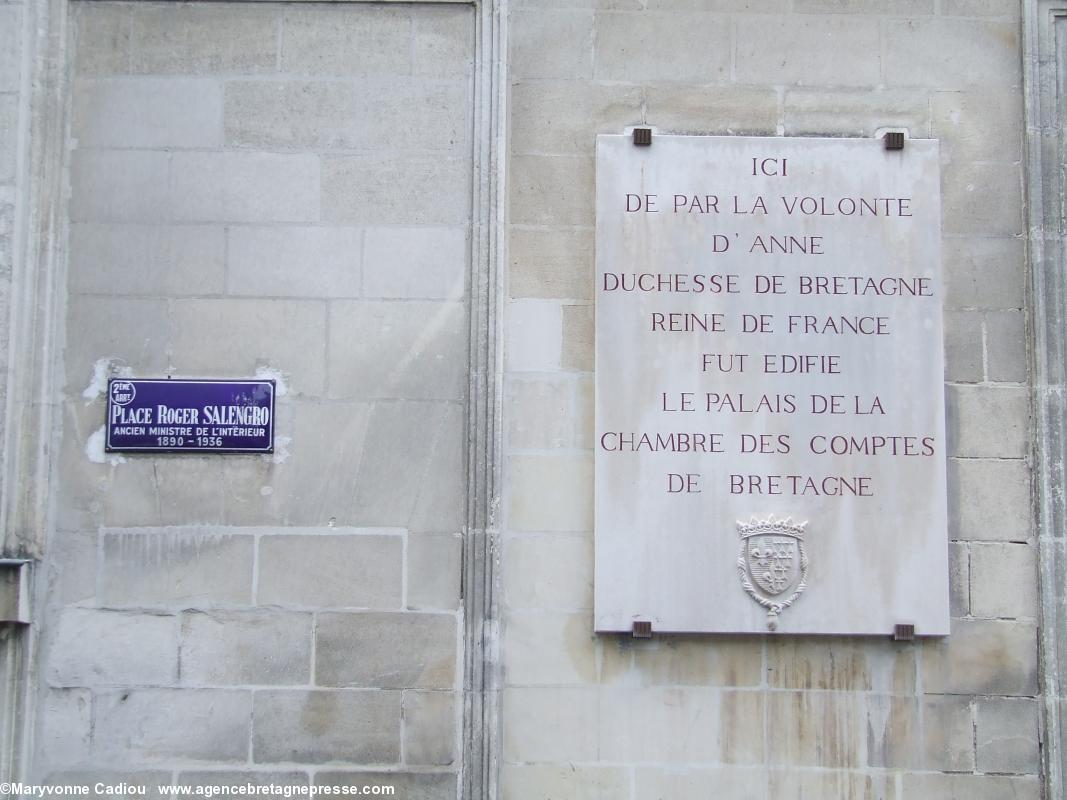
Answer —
773 566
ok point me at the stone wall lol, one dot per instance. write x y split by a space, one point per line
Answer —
587 716
275 190
285 189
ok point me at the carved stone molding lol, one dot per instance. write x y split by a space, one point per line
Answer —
481 679
1045 44
31 412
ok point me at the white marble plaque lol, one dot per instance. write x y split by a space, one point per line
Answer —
770 428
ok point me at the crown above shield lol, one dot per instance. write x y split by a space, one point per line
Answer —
784 526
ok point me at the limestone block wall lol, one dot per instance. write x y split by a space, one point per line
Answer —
282 190
687 717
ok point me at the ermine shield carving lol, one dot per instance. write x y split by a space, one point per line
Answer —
773 566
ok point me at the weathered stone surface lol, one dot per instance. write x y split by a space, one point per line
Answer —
551 725
893 732
948 733
849 112
328 115
133 332
551 44
10 48
238 647
420 115
323 40
984 273
443 41
711 110
101 39
395 349
209 339
1007 735
550 649
75 562
682 661
320 727
534 335
549 571
978 514
396 651
95 494
828 729
691 784
563 116
564 478
982 199
964 350
543 413
415 263
148 113
111 648
970 787
583 413
669 47
959 578
244 187
551 263
418 189
294 261
434 563
968 412
429 728
895 7
175 568
153 726
147 259
632 723
1004 580
980 8
188 491
169 39
279 490
976 126
840 664
330 570
627 5
982 657
569 781
951 54
65 726
552 190
412 472
297 114
119 186
778 50
747 6
9 123
1006 356
797 784
577 350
